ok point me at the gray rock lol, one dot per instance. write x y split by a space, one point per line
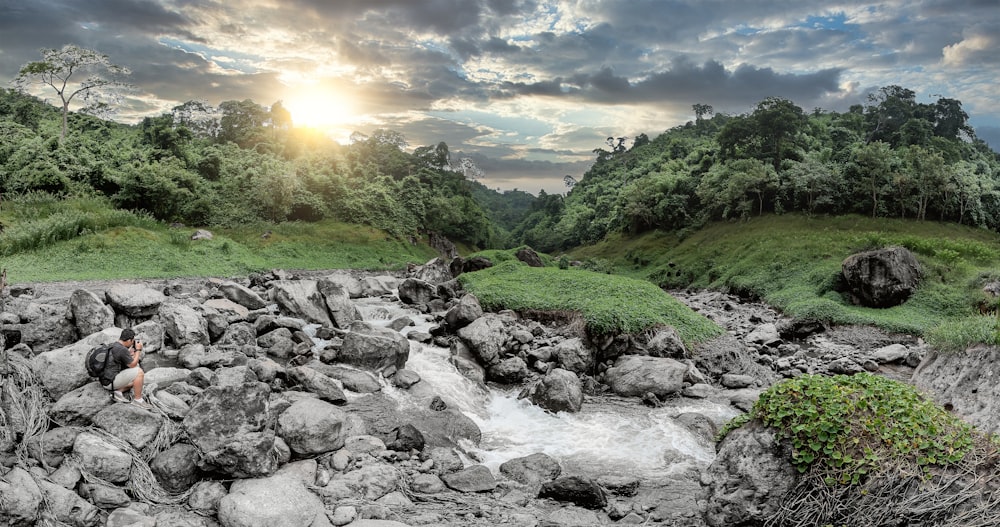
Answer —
891 353
62 370
579 490
129 423
52 445
748 477
311 426
89 313
67 506
574 356
20 498
633 376
511 370
183 325
737 381
559 391
374 348
476 478
176 468
228 424
485 338
78 407
242 295
414 291
378 285
531 470
353 379
435 271
338 301
666 343
135 300
101 458
881 278
277 500
301 299
464 312
206 495
326 388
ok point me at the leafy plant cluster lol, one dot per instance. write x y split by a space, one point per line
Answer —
849 427
891 158
608 304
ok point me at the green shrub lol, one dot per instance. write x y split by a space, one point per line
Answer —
848 427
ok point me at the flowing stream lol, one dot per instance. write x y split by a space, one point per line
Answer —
611 435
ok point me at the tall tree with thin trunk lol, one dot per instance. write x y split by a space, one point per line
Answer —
62 69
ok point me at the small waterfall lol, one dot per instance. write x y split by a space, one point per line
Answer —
611 435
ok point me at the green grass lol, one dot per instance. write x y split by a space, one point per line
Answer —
607 303
85 239
792 261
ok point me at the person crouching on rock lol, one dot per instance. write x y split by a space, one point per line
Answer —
123 367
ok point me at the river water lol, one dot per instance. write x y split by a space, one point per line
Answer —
610 435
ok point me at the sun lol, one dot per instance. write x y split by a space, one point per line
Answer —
316 108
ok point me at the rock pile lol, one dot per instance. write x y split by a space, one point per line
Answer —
253 424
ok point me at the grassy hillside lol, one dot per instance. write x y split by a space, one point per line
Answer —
792 262
86 239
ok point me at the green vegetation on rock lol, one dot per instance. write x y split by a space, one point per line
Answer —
848 427
608 304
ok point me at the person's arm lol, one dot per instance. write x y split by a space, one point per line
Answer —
136 352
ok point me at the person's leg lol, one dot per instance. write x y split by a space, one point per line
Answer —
126 379
137 384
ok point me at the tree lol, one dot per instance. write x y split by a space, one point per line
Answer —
701 110
60 69
777 123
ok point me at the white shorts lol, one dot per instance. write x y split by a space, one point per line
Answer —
123 379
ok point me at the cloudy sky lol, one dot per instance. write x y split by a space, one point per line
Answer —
528 88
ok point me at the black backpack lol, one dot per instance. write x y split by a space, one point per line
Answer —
97 361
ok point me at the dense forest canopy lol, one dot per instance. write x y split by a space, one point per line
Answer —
242 162
893 157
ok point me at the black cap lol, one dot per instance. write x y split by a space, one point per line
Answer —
127 334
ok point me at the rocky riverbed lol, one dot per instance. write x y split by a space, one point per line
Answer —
290 399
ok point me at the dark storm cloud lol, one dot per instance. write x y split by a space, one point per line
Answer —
686 82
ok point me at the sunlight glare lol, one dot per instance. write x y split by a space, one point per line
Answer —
319 109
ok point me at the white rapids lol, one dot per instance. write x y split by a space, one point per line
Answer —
610 435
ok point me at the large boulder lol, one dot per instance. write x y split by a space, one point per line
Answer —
62 370
326 388
574 356
416 291
302 299
374 348
176 468
881 278
20 499
229 426
312 426
130 423
183 324
637 375
242 295
78 407
89 313
282 499
135 301
435 271
580 490
748 478
464 312
529 256
486 338
476 478
338 301
559 391
534 469
101 458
